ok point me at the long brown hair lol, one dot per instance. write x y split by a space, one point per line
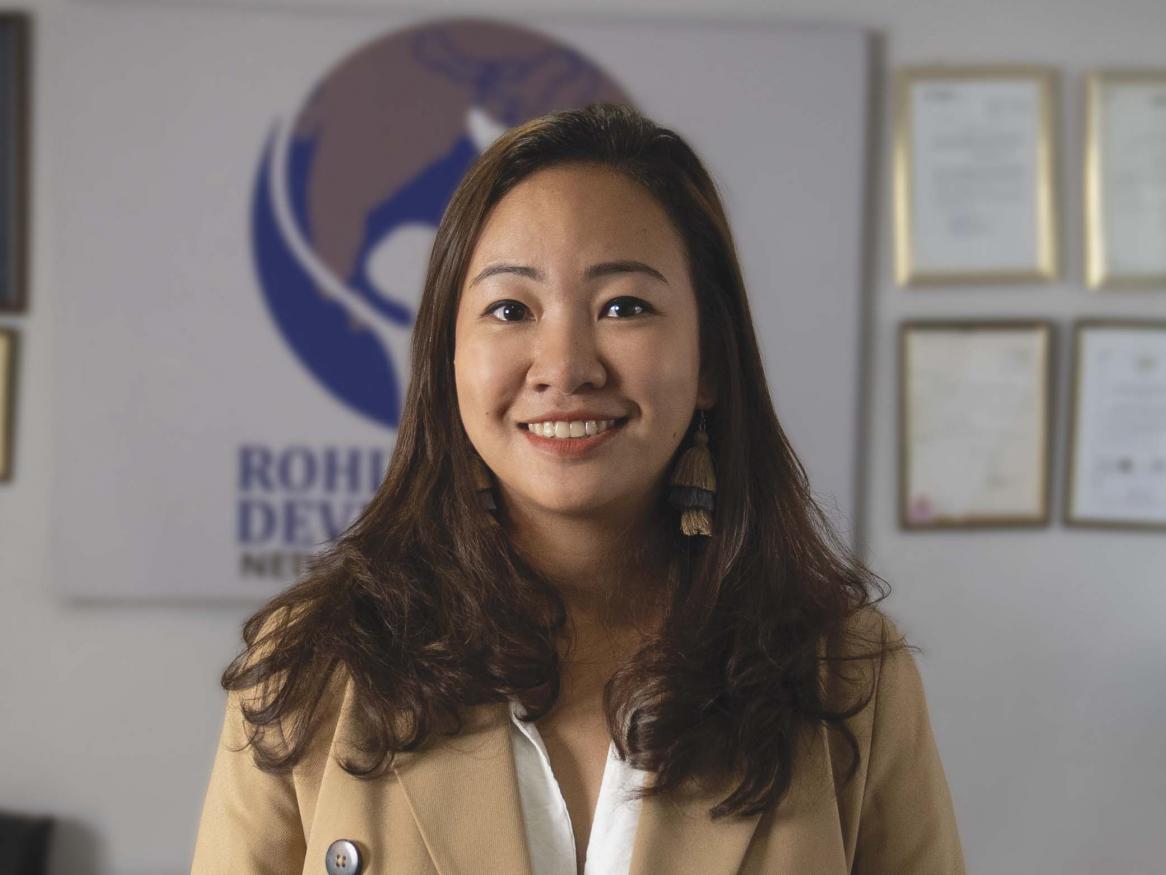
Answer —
428 608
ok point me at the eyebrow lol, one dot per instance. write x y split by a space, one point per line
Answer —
596 271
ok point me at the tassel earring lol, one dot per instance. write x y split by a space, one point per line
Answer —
693 485
484 487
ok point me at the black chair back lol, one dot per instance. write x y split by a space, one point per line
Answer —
24 844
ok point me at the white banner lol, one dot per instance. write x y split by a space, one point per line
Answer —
243 203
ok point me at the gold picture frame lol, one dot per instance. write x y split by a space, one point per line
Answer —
9 342
975 414
982 116
1114 135
1111 467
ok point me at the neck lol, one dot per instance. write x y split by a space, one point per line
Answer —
610 571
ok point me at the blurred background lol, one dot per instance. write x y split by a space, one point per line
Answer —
229 209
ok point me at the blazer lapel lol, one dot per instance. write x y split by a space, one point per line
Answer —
679 837
463 793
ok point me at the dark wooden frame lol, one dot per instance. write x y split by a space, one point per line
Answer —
1080 326
904 457
15 30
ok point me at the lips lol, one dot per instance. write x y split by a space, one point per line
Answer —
572 448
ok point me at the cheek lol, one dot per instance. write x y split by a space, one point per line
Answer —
665 367
485 375
667 395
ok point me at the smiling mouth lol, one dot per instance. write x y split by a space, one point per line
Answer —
571 431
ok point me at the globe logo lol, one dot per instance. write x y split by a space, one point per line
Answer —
348 195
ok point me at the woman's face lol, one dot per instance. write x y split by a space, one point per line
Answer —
577 309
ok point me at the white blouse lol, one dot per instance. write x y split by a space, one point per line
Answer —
549 835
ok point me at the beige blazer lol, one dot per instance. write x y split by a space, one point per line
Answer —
454 808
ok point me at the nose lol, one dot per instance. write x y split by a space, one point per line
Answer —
565 356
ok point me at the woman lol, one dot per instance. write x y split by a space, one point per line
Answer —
592 620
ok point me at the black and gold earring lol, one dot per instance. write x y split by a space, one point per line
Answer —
484 486
693 485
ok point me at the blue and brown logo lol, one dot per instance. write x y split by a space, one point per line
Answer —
349 193
346 203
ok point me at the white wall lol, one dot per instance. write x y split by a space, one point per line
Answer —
1045 651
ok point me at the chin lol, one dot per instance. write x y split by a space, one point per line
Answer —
575 503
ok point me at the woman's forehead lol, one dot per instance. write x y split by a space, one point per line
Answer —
576 214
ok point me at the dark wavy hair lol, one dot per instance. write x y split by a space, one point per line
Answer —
427 607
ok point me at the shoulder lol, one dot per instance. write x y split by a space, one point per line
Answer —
869 626
284 700
872 685
256 819
897 811
864 652
876 637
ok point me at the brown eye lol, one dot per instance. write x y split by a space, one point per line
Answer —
627 307
511 311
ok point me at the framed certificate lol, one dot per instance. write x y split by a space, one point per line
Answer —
974 401
14 30
1125 180
975 158
1117 452
8 340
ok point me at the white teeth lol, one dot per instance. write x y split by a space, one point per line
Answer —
568 430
